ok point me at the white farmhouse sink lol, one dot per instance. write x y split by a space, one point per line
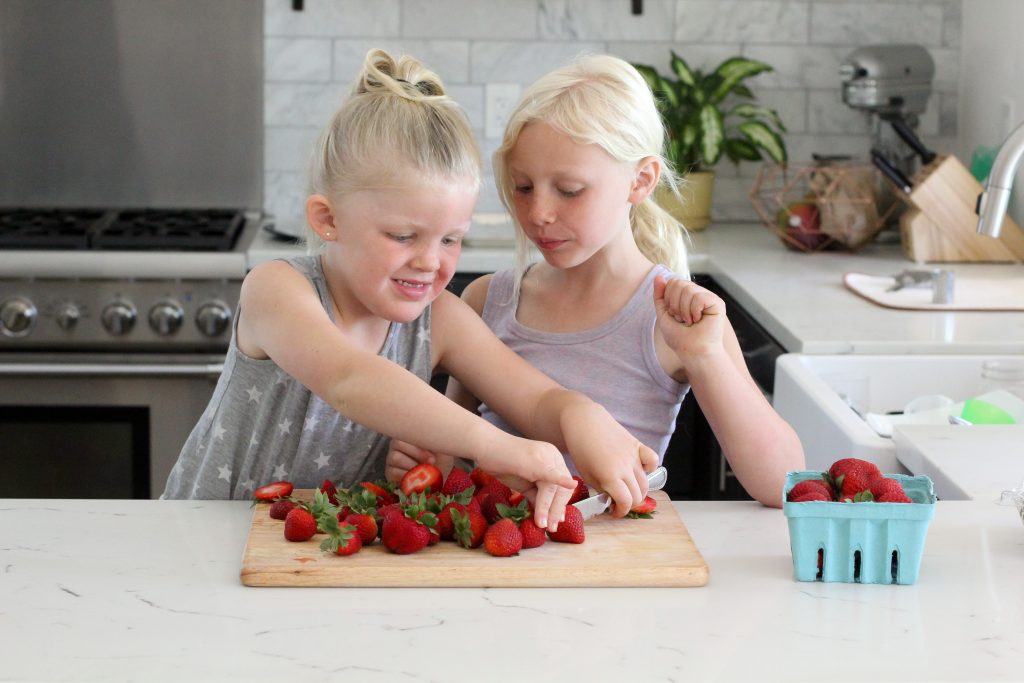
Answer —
817 396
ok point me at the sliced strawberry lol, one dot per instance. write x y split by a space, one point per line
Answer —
645 510
420 478
384 497
270 492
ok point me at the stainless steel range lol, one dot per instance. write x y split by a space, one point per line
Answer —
131 186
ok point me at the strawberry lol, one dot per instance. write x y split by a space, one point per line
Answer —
581 491
816 494
480 478
403 535
645 510
281 508
431 524
571 528
474 504
491 496
330 490
343 538
270 492
503 538
299 525
457 482
386 512
515 497
445 527
381 490
887 490
533 535
469 527
420 478
850 476
365 524
809 485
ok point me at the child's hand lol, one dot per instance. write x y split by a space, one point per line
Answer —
403 456
690 318
609 457
545 478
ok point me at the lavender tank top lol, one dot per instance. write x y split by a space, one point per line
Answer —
614 364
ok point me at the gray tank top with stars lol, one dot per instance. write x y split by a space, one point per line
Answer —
262 425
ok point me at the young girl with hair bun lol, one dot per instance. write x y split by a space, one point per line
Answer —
331 353
610 310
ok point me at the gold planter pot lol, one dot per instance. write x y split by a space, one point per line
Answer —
694 209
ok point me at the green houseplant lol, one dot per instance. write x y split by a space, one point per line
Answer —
708 115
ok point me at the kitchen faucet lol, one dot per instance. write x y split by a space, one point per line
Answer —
992 202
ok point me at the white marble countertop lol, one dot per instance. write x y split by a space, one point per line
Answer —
149 591
967 463
800 298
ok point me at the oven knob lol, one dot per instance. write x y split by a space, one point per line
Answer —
166 317
67 316
213 318
17 316
118 318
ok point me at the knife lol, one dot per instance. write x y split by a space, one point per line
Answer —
890 171
910 137
595 505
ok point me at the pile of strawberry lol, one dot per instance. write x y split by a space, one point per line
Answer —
850 480
472 509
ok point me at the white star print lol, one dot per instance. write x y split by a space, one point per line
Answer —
285 426
218 431
422 336
310 423
322 460
280 472
253 441
347 427
248 485
254 394
282 378
225 473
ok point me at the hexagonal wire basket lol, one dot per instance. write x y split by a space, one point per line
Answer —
842 205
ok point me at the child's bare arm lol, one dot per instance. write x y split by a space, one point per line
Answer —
281 318
760 446
540 408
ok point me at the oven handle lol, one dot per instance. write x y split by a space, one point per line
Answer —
211 370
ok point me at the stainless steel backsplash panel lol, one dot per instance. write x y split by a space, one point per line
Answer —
131 104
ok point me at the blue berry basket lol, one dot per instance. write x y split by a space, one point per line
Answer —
859 542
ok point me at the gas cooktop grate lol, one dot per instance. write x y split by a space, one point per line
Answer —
128 229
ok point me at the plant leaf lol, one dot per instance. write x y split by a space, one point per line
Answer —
712 134
734 70
767 139
682 70
749 111
738 149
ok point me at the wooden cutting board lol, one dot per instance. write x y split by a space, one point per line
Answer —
617 552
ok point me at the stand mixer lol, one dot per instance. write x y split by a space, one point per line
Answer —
892 82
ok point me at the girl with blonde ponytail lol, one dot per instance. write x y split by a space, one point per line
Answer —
610 310
332 352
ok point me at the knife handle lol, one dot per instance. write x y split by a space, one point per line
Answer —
908 136
890 171
657 479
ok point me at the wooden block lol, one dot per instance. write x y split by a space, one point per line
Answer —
942 225
617 552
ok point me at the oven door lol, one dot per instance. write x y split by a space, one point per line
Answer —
92 428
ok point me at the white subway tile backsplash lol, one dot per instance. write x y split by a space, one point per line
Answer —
488 52
853 23
512 62
297 59
746 21
300 104
605 20
332 18
479 20
284 196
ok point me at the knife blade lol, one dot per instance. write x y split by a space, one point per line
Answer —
595 505
890 171
910 137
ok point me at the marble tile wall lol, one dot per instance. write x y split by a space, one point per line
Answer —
487 51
